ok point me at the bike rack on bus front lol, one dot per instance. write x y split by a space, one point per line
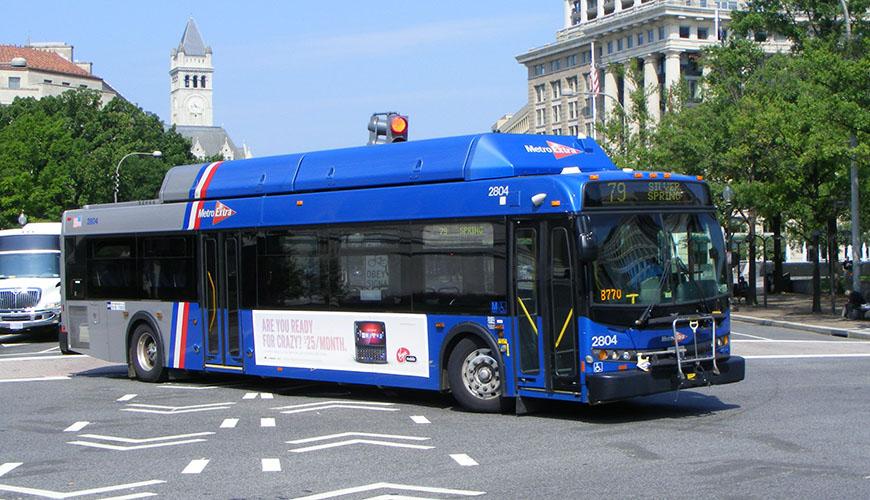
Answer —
694 322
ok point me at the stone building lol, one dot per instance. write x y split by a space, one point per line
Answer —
662 39
46 69
191 108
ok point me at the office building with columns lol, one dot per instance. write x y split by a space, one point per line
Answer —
661 39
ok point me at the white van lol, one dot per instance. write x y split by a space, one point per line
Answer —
30 277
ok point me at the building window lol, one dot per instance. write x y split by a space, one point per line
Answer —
640 39
588 130
649 36
600 51
540 93
572 110
555 65
760 36
571 60
557 113
610 47
14 82
202 81
684 31
540 118
661 32
187 80
572 84
619 45
587 112
629 41
703 33
46 81
557 89
574 130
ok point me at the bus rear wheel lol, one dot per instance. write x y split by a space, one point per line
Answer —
146 355
475 381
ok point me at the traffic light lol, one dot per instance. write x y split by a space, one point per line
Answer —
388 127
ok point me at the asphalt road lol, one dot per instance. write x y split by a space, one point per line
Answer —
76 427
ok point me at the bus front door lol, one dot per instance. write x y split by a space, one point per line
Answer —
543 272
220 301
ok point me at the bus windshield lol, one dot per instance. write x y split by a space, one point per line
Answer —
658 258
30 265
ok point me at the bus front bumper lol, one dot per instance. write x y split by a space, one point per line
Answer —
613 386
17 321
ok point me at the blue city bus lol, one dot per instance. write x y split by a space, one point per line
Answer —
500 268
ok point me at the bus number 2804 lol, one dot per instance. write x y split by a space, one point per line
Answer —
604 340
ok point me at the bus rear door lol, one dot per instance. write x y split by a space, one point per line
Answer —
220 300
544 292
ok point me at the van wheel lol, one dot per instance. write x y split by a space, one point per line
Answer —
475 381
146 355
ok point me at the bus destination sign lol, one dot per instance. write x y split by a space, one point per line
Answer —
646 192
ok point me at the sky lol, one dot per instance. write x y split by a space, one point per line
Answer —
294 76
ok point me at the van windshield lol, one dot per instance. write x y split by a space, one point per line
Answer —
30 265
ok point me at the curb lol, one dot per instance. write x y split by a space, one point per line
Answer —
824 330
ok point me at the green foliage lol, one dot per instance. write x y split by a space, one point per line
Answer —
60 152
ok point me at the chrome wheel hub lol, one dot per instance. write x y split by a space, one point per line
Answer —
480 374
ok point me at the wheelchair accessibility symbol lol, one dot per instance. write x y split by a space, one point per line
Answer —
598 367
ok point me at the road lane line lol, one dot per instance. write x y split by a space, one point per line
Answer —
349 434
841 342
80 493
271 464
35 379
390 486
36 358
229 423
350 442
76 427
808 356
132 495
750 336
8 467
463 459
55 348
250 395
267 395
195 466
192 387
267 422
420 419
126 397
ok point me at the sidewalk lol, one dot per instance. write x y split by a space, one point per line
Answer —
793 310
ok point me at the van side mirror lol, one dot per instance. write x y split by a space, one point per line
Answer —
587 248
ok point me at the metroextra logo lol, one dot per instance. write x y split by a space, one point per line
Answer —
219 213
558 150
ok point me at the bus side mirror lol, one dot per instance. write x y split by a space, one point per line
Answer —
588 249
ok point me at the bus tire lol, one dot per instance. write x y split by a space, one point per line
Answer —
63 343
474 377
146 354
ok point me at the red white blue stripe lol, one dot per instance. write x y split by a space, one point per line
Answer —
200 192
178 336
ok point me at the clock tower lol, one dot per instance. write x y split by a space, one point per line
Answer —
190 77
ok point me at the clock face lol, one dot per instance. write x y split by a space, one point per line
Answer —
196 105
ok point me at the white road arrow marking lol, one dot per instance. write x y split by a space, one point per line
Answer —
126 397
8 467
171 410
266 395
250 395
132 495
271 464
139 444
391 486
195 466
463 459
420 419
319 403
76 427
80 493
349 442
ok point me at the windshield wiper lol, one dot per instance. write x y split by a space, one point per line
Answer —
644 316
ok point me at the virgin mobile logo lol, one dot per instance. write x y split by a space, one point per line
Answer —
217 214
558 150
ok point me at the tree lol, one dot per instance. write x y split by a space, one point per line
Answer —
60 152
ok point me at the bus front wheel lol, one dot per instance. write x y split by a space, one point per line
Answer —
146 355
473 373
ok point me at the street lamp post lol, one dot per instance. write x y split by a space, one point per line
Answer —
154 154
853 177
